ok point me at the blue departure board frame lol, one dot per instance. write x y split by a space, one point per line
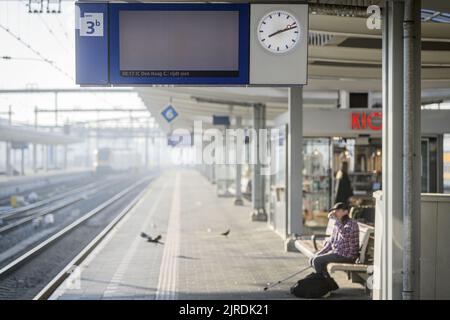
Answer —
91 44
115 77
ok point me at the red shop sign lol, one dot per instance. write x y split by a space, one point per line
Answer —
364 120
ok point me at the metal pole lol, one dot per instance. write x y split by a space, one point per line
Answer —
56 109
411 147
239 151
294 183
88 146
8 146
390 227
35 144
65 157
55 147
146 143
22 161
259 212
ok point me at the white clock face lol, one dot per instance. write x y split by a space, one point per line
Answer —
279 32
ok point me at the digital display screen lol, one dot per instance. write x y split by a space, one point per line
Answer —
181 43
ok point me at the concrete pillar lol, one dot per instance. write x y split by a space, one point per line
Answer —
259 122
22 161
146 144
8 159
8 147
294 167
440 164
392 180
46 157
34 157
411 149
54 150
238 200
65 157
35 145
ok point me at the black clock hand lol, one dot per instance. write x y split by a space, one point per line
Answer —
282 30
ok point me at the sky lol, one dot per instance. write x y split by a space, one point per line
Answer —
52 36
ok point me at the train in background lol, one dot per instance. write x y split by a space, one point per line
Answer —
109 160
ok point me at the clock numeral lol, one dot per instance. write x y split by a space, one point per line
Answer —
293 40
269 46
287 47
278 48
263 39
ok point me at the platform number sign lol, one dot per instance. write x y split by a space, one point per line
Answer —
169 113
91 25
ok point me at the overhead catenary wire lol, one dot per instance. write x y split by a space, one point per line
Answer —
66 35
50 30
36 52
7 57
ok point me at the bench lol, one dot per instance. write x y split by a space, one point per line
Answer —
358 271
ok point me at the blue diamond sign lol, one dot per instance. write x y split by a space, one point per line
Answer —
169 113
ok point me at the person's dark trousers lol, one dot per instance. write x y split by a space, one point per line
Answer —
319 263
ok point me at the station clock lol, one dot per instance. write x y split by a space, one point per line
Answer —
279 32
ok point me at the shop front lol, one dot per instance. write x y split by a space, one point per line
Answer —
334 139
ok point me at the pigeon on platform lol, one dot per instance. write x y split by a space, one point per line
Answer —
226 233
150 239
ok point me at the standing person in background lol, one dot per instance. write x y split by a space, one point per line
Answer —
344 188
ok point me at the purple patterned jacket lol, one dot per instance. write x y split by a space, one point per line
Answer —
344 241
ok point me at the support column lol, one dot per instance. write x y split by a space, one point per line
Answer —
146 144
22 161
238 201
294 194
259 122
35 144
8 158
8 147
65 157
390 228
411 149
46 157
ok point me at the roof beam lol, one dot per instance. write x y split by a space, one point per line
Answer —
356 27
371 56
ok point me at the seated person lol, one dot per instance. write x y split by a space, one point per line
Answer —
343 246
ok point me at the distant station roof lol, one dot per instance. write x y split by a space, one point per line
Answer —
23 134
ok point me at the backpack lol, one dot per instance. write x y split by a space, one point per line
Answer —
314 285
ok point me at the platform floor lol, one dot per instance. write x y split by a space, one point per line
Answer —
196 261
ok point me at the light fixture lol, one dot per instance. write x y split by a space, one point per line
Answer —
35 6
53 6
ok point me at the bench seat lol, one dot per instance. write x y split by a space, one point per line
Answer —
309 245
347 267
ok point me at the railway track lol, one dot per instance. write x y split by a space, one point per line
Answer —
24 215
51 189
39 269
